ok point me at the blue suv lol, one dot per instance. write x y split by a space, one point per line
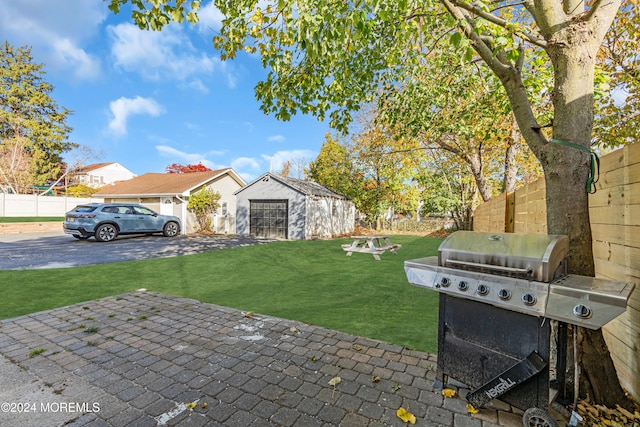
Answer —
105 221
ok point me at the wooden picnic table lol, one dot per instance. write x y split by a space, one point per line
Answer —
374 245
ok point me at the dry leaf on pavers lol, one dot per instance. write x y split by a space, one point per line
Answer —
248 314
293 329
471 409
375 379
406 416
357 347
205 404
334 382
448 392
192 405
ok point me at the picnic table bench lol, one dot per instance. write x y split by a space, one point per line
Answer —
374 245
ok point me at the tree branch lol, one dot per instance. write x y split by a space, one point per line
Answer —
500 22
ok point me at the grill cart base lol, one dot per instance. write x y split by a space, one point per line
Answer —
478 342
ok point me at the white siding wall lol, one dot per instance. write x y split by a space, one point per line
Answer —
107 175
328 217
226 186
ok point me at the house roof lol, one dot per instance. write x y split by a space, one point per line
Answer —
308 188
169 184
93 167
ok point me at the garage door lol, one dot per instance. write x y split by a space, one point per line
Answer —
268 218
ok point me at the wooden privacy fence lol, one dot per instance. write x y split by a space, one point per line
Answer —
615 225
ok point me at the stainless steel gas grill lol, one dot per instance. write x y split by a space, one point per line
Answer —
497 291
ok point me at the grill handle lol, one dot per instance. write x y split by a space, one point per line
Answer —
511 270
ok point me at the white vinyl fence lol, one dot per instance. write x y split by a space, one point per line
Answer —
34 205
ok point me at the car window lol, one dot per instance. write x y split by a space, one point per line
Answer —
143 211
125 210
110 209
84 208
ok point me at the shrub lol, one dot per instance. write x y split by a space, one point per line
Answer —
203 204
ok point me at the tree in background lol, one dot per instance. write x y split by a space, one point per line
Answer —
286 168
447 188
618 110
373 169
177 168
462 108
327 58
334 169
203 204
33 129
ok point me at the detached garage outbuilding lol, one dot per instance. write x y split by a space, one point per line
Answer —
276 206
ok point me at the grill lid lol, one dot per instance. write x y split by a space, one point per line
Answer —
528 256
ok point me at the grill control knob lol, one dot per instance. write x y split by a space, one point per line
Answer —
482 289
504 294
463 286
582 311
445 282
529 299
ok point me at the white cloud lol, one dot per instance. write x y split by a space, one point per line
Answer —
56 31
242 163
278 159
182 157
210 18
199 86
276 138
123 107
84 66
156 55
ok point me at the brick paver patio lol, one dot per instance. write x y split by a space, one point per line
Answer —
147 359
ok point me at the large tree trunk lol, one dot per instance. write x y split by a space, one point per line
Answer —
566 172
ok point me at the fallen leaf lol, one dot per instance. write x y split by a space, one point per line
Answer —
192 405
447 392
397 387
313 358
293 330
471 409
205 404
375 379
357 347
406 416
248 314
335 381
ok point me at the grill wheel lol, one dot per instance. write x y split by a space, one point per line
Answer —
536 417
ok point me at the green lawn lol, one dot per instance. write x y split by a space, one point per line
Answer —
8 219
309 281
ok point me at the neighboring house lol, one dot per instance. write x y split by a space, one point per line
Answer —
277 206
168 193
101 174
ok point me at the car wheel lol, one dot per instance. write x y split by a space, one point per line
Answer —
171 229
106 233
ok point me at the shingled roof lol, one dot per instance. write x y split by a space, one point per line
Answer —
164 184
308 188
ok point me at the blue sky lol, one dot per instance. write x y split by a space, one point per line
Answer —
148 99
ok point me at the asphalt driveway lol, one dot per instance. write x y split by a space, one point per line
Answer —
58 250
